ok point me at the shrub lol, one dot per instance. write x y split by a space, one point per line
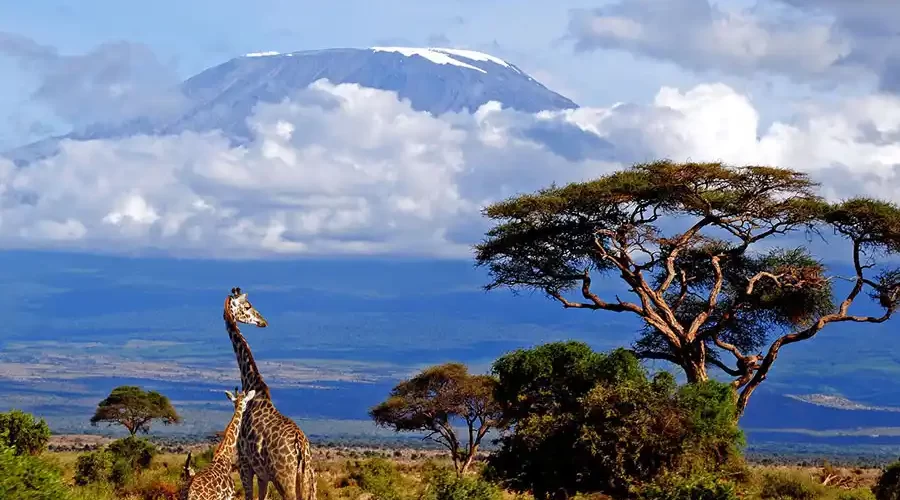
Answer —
23 432
378 477
792 485
26 477
888 486
857 494
443 484
583 422
121 473
696 487
138 453
92 467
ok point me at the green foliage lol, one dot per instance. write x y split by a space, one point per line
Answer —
23 432
27 477
856 494
695 487
444 484
135 409
581 421
118 463
434 400
377 476
121 473
135 453
92 467
888 486
790 486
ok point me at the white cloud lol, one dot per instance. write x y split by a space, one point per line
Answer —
350 170
703 36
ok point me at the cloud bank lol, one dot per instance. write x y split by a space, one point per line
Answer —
115 81
808 41
347 170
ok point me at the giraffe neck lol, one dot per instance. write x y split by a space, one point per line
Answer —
250 376
228 447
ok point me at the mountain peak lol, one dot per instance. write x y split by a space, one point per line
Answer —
433 79
439 55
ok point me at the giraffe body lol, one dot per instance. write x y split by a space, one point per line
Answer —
215 481
271 447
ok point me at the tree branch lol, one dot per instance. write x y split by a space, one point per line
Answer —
839 317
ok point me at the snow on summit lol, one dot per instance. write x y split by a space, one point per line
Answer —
447 56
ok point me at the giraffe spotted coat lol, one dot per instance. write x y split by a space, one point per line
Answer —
215 481
271 446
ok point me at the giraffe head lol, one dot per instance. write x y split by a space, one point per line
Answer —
240 399
244 312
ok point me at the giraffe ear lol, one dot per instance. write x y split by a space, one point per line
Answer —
230 395
250 395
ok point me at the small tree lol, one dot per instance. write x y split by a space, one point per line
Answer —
436 398
23 432
135 409
683 239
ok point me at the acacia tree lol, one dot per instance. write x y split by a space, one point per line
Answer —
431 402
706 295
135 409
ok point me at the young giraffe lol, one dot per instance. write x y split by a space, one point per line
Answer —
215 481
271 446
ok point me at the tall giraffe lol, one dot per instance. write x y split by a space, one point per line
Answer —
215 481
271 446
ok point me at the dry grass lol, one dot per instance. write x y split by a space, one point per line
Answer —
334 482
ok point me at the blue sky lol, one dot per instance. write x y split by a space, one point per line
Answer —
808 85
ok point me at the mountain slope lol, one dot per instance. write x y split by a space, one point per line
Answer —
433 80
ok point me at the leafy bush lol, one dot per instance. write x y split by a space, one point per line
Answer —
888 486
790 485
377 476
857 494
581 421
138 453
92 467
23 432
443 484
696 487
121 473
27 477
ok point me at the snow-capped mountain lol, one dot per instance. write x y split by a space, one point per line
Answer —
436 80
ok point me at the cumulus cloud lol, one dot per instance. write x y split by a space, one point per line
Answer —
114 82
349 170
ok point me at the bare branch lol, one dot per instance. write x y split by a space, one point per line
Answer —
711 302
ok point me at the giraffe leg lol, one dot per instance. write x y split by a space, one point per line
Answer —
306 483
263 487
287 485
246 472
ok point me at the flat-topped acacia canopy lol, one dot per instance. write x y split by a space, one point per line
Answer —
706 297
